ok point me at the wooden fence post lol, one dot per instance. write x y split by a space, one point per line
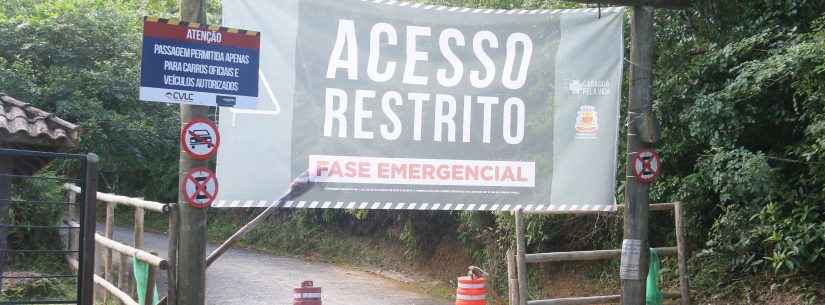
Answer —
172 277
71 201
138 237
98 290
521 269
124 279
74 234
139 216
107 254
150 285
681 253
512 278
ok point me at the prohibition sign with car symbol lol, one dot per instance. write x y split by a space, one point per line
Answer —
200 139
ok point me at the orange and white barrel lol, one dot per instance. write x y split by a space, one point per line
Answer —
307 294
471 291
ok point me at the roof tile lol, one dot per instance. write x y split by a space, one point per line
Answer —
21 123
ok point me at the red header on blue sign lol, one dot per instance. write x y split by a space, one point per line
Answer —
199 33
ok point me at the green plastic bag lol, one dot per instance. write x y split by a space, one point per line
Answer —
142 279
652 294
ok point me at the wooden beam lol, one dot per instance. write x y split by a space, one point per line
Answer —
122 296
661 206
298 186
132 202
574 256
147 257
602 299
667 4
671 295
599 299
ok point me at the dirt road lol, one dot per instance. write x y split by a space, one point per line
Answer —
254 278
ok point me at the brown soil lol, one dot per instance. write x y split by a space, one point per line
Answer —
449 261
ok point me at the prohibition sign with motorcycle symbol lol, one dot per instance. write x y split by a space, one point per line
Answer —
200 187
646 165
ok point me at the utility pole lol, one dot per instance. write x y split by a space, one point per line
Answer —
191 257
637 197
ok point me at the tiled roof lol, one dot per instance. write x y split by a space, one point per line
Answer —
24 125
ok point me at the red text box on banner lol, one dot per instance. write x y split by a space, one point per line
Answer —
348 169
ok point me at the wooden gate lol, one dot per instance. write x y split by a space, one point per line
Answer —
517 264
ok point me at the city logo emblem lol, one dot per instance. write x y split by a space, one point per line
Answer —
587 122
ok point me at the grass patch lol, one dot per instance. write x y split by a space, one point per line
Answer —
38 289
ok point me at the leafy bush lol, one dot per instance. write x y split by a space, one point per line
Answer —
34 205
740 95
79 59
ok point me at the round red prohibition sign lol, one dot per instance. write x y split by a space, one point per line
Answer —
646 165
200 139
200 187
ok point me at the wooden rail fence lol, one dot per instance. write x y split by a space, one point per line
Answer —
121 284
517 263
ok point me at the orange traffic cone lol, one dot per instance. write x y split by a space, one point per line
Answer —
472 289
307 294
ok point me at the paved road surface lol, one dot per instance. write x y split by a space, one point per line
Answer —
245 277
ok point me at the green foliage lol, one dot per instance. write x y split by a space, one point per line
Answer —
79 59
795 237
36 203
33 205
739 90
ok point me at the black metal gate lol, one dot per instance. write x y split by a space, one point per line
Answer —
35 268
